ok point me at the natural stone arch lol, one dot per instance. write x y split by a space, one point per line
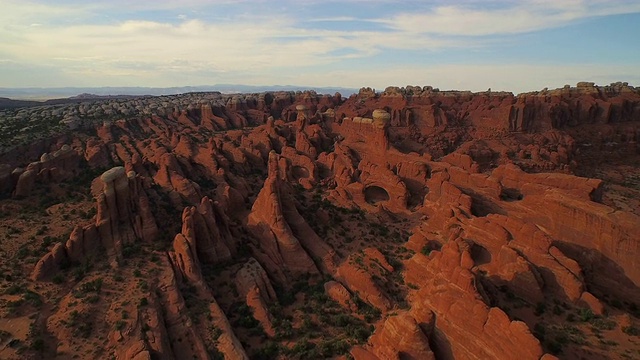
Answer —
374 194
300 172
508 194
479 254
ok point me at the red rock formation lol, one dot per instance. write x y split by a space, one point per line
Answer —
381 185
145 336
513 252
285 238
578 224
124 217
357 279
486 211
466 327
209 120
96 154
186 266
523 259
57 166
592 303
83 242
339 294
256 288
399 337
171 177
303 170
185 259
123 211
341 164
26 182
373 132
50 263
207 230
512 177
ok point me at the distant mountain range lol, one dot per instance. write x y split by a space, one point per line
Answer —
7 103
41 94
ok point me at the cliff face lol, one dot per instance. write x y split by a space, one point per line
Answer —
408 224
530 112
465 326
123 219
288 242
53 167
123 211
206 228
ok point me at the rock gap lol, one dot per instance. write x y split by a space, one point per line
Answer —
375 194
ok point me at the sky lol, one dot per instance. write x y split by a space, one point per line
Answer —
473 45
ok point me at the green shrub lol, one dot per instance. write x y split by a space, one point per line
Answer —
92 299
270 350
14 289
558 310
603 324
215 354
631 330
120 324
38 345
370 313
245 317
585 315
58 278
32 298
130 250
215 333
333 347
22 253
284 330
91 286
301 349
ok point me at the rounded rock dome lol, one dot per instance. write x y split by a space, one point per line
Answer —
381 118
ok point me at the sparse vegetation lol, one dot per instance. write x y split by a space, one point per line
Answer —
120 325
631 330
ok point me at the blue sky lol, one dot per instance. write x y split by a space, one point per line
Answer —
466 45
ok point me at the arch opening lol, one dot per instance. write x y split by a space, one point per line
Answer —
374 194
299 172
508 194
479 254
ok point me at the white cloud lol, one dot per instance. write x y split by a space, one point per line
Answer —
511 18
256 44
87 43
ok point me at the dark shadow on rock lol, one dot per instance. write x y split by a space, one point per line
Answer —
375 194
480 254
602 275
440 344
